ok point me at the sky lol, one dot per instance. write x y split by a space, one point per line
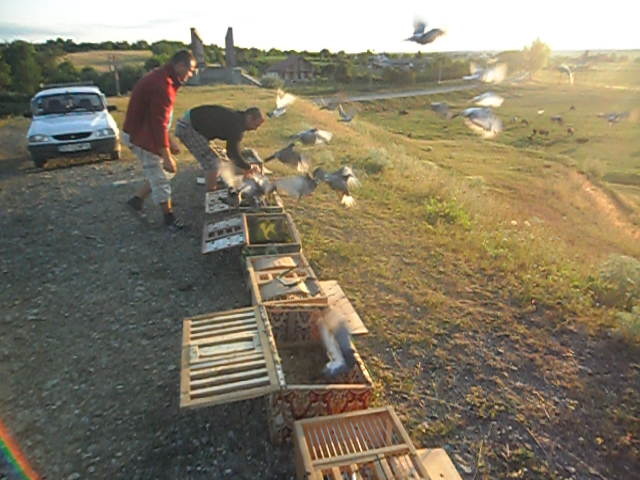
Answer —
352 26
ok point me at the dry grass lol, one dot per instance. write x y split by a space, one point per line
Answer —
100 59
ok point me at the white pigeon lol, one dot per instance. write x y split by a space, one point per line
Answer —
442 109
283 100
313 136
341 181
491 74
297 186
488 99
422 37
482 121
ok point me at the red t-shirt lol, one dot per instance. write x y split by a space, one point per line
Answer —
150 108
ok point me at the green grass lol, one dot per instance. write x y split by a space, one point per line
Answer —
100 59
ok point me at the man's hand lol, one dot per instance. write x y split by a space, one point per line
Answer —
168 162
174 146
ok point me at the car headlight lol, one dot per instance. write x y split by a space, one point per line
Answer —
105 132
38 138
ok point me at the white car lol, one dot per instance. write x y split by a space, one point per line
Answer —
70 119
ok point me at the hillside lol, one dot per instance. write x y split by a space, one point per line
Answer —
472 263
100 59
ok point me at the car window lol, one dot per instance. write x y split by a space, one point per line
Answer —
66 102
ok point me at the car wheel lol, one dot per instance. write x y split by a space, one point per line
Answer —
38 160
115 155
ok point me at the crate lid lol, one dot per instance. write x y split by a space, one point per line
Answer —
222 234
228 356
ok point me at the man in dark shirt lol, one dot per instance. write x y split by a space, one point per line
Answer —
202 124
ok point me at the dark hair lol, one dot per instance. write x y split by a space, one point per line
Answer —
253 112
182 56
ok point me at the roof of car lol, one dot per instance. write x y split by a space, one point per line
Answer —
69 89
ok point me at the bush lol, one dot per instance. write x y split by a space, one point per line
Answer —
376 162
447 211
619 282
628 323
593 168
271 81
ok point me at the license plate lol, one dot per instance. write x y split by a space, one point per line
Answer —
74 147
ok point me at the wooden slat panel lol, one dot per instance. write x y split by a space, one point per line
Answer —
227 368
231 387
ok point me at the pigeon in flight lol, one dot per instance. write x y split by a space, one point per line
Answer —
488 99
344 116
283 100
482 121
564 68
291 157
442 109
340 181
296 186
422 37
492 74
313 136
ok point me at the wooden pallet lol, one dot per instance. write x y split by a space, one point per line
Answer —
217 202
228 356
283 279
365 445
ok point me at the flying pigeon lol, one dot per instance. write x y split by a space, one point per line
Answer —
252 157
254 189
289 156
442 109
488 99
422 37
313 136
327 104
297 186
340 181
482 121
492 74
283 100
564 68
344 116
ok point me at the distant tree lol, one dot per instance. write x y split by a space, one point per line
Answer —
537 56
66 72
89 74
154 62
344 71
140 45
515 60
214 54
324 53
5 74
129 75
26 74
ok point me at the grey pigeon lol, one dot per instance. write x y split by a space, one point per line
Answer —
564 68
442 109
482 121
422 37
297 186
344 116
340 181
254 189
289 156
313 136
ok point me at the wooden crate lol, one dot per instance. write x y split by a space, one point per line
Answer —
270 234
369 444
217 202
256 233
245 353
283 279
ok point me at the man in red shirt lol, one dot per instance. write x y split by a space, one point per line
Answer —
146 131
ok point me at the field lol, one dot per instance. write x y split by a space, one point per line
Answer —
100 59
473 263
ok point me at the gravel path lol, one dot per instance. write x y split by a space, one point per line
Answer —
92 307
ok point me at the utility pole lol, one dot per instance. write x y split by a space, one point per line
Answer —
113 66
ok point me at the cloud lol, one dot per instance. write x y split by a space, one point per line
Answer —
13 31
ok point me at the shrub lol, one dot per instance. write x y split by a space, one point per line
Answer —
619 284
593 168
447 211
377 160
271 81
628 323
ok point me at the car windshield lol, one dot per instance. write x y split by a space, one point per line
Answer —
66 102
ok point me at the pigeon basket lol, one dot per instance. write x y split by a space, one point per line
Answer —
266 352
256 233
283 279
369 444
220 202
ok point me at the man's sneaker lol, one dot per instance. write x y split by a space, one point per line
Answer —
135 203
173 223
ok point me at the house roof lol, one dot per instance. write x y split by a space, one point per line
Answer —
292 63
